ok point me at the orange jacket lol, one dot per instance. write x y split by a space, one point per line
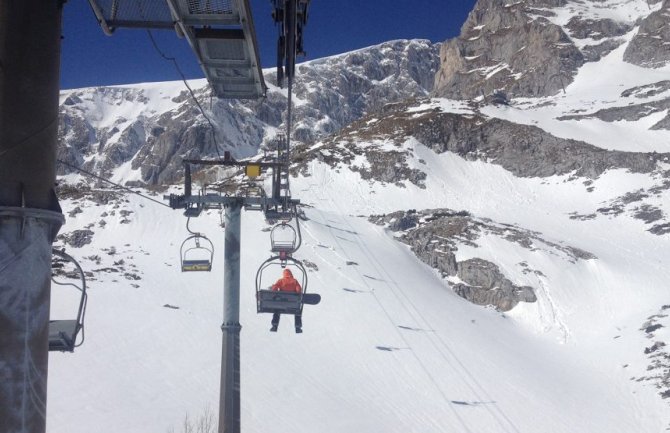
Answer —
287 283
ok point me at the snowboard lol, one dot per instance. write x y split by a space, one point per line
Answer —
311 298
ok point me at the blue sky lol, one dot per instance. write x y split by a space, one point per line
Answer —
90 58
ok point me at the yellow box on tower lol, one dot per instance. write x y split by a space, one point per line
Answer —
252 170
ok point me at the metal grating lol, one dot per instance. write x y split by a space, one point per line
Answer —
221 33
224 49
232 73
234 91
210 7
135 11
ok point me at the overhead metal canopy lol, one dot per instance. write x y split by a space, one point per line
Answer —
221 33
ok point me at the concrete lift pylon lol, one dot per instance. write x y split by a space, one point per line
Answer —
30 216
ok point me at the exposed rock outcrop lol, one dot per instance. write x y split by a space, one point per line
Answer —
524 150
501 47
486 285
77 238
596 29
632 112
657 372
435 236
648 90
650 48
640 204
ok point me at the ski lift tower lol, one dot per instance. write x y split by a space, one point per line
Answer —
222 36
280 207
290 16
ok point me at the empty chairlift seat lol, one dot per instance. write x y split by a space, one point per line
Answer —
283 239
62 335
68 275
197 254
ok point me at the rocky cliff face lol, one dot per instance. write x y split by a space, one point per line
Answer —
650 47
152 130
532 48
502 47
336 91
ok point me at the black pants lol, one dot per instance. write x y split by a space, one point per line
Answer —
297 320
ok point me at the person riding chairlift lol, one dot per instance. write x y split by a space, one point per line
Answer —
287 284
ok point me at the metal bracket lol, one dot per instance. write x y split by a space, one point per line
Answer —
231 328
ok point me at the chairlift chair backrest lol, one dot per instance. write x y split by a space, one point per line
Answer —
283 239
196 254
253 192
63 333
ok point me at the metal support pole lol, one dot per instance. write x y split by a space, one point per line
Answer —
229 403
25 282
30 33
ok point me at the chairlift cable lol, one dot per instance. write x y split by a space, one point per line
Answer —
183 78
389 317
364 249
88 173
475 384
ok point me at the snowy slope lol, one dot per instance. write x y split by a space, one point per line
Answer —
589 93
390 348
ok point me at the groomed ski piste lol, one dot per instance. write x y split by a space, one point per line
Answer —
390 348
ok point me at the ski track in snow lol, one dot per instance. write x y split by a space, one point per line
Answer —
416 319
456 365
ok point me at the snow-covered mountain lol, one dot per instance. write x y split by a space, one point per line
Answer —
147 129
493 262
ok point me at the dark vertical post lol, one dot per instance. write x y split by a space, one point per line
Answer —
229 403
30 33
187 179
